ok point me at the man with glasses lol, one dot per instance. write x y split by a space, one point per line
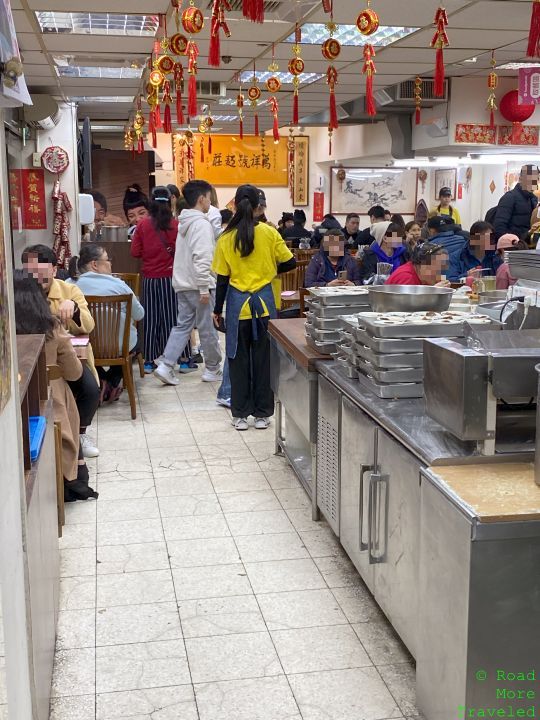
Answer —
68 303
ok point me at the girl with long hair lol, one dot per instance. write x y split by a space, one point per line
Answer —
154 241
135 205
33 317
248 257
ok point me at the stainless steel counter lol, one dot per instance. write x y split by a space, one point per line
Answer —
407 421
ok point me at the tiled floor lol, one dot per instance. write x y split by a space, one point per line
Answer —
197 586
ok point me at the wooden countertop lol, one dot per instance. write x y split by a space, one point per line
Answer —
28 351
290 333
495 492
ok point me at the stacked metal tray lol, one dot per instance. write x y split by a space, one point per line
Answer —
325 306
387 348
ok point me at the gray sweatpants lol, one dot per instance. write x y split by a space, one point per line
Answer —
192 312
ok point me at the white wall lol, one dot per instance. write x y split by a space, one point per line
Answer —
12 511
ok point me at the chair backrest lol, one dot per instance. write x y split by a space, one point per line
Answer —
305 254
107 313
301 266
132 280
289 280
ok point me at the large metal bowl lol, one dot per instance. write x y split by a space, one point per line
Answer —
409 298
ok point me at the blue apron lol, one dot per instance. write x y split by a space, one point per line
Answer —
235 302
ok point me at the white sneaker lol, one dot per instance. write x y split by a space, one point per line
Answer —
226 402
262 423
240 423
211 375
88 446
166 375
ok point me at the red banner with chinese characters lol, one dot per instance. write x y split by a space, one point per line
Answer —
528 135
472 133
318 206
34 208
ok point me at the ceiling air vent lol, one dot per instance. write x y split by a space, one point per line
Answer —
405 91
270 6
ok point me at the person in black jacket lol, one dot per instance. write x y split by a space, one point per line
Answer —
329 223
516 206
297 231
376 215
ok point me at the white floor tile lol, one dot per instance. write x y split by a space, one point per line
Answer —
171 703
284 575
135 588
281 546
137 623
248 501
259 523
125 532
77 562
74 672
73 708
128 509
195 526
300 608
132 558
207 582
185 505
268 698
220 616
199 552
76 629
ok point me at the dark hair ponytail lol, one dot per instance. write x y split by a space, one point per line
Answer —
243 220
32 312
88 253
160 208
73 267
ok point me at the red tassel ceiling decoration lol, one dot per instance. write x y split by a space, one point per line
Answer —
418 99
138 125
493 81
253 10
152 129
439 42
533 48
209 144
240 106
254 95
167 101
369 70
179 87
327 5
192 53
218 23
296 68
331 49
331 80
274 108
177 6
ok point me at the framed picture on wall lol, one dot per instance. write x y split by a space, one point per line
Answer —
358 189
446 177
300 171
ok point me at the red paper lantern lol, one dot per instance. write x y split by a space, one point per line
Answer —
511 110
331 49
192 20
367 22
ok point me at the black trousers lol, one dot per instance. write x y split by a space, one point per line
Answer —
250 372
113 375
86 393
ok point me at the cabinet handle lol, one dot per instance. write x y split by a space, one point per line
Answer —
377 485
363 470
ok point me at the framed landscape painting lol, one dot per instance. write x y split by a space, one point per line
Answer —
358 189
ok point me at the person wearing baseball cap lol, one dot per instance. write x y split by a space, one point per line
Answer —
445 207
441 229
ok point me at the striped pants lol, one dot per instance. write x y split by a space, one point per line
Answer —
160 313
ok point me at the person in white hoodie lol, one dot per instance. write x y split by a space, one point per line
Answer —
194 284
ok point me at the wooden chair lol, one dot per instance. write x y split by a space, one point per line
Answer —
133 281
305 254
108 350
301 266
303 294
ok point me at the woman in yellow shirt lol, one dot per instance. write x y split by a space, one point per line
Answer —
249 255
444 207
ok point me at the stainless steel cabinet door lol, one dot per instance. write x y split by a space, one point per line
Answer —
357 463
328 428
394 535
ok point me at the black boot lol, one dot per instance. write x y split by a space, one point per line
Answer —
77 490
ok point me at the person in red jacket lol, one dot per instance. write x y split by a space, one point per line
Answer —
426 267
154 242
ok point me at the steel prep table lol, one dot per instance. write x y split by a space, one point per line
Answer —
459 581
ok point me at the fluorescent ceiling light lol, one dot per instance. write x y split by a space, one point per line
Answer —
107 73
285 77
316 34
85 100
225 118
81 23
518 65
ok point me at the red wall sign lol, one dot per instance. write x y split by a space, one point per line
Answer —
318 206
27 199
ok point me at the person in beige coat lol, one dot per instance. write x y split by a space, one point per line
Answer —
69 305
33 316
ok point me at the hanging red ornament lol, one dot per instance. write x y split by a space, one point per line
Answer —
439 42
177 6
369 71
192 19
273 83
331 80
218 23
515 113
367 21
129 138
274 108
417 99
254 95
192 53
331 49
138 125
167 101
178 44
179 87
165 64
240 106
327 6
493 81
533 47
253 10
296 68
